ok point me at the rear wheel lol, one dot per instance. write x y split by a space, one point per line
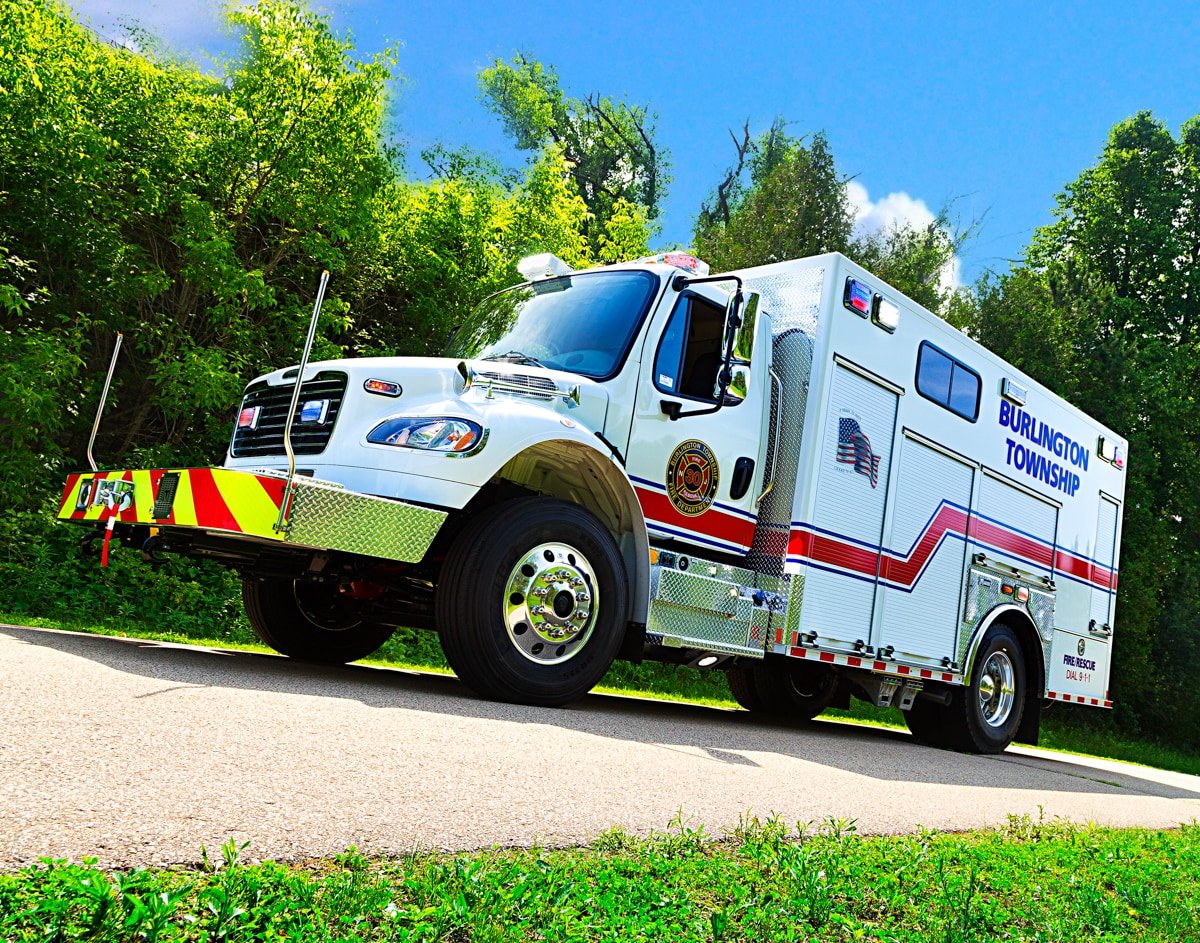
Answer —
532 602
309 621
784 687
983 716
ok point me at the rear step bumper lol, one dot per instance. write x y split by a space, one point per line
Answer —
216 501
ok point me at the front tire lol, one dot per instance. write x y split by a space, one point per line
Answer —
309 621
532 602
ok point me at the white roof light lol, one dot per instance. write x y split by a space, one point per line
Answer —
887 315
542 265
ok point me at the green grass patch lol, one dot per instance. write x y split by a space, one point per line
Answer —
1030 880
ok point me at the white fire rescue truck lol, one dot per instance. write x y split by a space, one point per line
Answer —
792 473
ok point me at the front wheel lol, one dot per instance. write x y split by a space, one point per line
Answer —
309 621
532 602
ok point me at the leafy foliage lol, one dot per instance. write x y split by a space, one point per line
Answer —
784 198
610 146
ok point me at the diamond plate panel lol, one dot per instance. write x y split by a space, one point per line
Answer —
1041 607
983 595
329 517
793 302
695 611
693 591
709 631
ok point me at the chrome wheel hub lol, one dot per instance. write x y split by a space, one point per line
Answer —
997 689
550 603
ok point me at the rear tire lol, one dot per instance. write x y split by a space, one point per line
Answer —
984 716
309 622
532 602
784 687
930 723
744 688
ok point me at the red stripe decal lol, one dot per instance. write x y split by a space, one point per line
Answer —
712 523
66 496
211 509
905 571
274 488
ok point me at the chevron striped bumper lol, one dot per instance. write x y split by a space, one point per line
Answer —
245 506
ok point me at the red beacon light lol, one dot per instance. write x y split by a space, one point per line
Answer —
858 298
679 260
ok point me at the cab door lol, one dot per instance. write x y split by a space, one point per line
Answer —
698 476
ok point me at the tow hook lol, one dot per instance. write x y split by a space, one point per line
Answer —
151 547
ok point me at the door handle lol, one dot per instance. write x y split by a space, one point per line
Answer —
743 476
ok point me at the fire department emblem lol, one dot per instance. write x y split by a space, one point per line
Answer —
692 477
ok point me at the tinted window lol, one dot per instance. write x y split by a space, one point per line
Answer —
948 382
689 355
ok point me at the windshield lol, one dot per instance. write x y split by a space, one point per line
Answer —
581 323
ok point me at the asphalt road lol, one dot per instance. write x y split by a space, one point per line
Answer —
139 753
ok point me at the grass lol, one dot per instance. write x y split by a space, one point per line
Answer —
1031 880
418 650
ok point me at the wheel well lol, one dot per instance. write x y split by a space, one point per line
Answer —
1021 625
571 471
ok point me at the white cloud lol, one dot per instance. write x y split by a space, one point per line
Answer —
186 26
897 209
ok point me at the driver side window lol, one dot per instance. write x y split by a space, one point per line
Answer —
689 355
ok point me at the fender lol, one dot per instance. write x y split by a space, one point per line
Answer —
1027 634
557 456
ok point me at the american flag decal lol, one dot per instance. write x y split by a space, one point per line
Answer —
854 448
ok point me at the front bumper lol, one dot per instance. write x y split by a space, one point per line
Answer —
245 506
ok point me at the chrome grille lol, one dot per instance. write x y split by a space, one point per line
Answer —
308 438
537 386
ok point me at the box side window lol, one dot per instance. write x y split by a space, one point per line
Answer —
948 382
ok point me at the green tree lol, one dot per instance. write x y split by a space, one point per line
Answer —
610 146
1104 312
784 198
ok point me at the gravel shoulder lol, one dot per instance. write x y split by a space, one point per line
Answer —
140 752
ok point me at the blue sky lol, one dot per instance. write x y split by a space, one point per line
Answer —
993 106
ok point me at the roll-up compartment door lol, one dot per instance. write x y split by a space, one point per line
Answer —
1015 526
844 536
921 575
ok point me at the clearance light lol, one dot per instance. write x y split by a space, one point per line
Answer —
1022 594
383 387
432 435
1013 391
857 297
248 417
1007 589
542 265
886 314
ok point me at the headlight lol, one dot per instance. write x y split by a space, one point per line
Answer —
435 435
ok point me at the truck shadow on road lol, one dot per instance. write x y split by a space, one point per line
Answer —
723 736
